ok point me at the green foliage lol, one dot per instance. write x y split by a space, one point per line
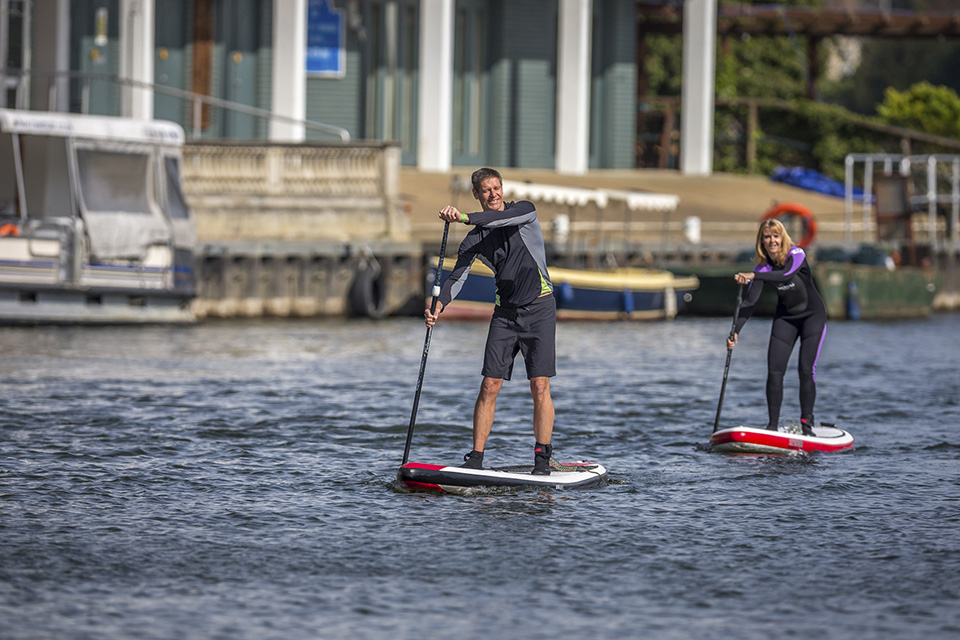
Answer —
894 63
798 133
817 135
663 66
923 107
760 67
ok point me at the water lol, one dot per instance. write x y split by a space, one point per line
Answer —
236 480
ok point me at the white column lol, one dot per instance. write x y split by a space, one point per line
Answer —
51 20
137 26
696 95
435 118
289 96
573 86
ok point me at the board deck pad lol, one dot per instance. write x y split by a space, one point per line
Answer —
452 479
788 440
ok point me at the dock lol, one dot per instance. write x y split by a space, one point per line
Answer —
344 230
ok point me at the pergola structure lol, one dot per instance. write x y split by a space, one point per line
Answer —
656 17
774 20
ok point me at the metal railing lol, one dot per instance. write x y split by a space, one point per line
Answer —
935 182
197 100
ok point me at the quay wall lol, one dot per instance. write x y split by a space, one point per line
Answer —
320 229
300 230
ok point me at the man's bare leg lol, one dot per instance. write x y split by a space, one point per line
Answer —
483 411
543 413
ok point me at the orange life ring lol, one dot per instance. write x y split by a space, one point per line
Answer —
796 209
9 229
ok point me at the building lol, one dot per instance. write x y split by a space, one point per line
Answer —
511 83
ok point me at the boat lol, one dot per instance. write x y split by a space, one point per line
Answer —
717 295
459 480
584 294
787 440
94 226
855 285
869 285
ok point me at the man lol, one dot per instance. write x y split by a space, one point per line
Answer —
507 238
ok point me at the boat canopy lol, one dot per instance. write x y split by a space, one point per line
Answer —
71 125
119 176
556 194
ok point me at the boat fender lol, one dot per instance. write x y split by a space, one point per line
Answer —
627 301
565 294
853 301
795 209
368 295
9 229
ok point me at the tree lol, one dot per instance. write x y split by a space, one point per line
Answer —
923 107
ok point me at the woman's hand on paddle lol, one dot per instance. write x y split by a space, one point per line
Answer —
432 317
732 343
744 278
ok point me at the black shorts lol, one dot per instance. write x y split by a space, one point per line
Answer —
530 330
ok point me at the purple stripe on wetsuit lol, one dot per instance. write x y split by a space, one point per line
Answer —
823 335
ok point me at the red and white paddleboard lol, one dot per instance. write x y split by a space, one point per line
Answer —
751 440
442 479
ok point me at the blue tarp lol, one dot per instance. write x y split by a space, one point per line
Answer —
813 181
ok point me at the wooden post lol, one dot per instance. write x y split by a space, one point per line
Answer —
752 136
666 136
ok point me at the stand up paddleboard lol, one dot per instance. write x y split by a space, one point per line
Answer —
438 478
788 441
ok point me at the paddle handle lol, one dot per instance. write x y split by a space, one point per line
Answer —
726 368
435 292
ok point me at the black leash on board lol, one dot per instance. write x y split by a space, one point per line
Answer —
426 345
726 368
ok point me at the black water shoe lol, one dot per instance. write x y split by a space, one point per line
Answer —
806 426
473 460
541 459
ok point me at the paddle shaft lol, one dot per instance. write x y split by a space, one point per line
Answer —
426 345
726 368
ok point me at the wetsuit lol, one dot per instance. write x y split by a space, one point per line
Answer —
800 313
510 242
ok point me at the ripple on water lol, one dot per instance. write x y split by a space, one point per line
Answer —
238 480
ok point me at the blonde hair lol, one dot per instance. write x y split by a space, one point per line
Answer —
786 243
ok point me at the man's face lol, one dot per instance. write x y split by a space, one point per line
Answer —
490 194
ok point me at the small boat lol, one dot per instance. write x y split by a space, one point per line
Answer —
583 294
94 226
853 291
418 476
717 295
786 441
858 285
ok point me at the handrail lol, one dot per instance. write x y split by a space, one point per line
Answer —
196 98
931 195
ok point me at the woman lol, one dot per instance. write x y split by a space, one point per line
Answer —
800 314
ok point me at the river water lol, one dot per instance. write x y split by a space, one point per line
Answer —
236 480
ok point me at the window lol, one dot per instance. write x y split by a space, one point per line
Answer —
111 181
176 203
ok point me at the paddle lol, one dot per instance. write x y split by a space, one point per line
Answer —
726 368
426 345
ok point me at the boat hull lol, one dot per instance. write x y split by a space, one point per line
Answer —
623 294
868 292
849 291
752 440
56 305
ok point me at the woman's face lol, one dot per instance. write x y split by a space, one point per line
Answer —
771 242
